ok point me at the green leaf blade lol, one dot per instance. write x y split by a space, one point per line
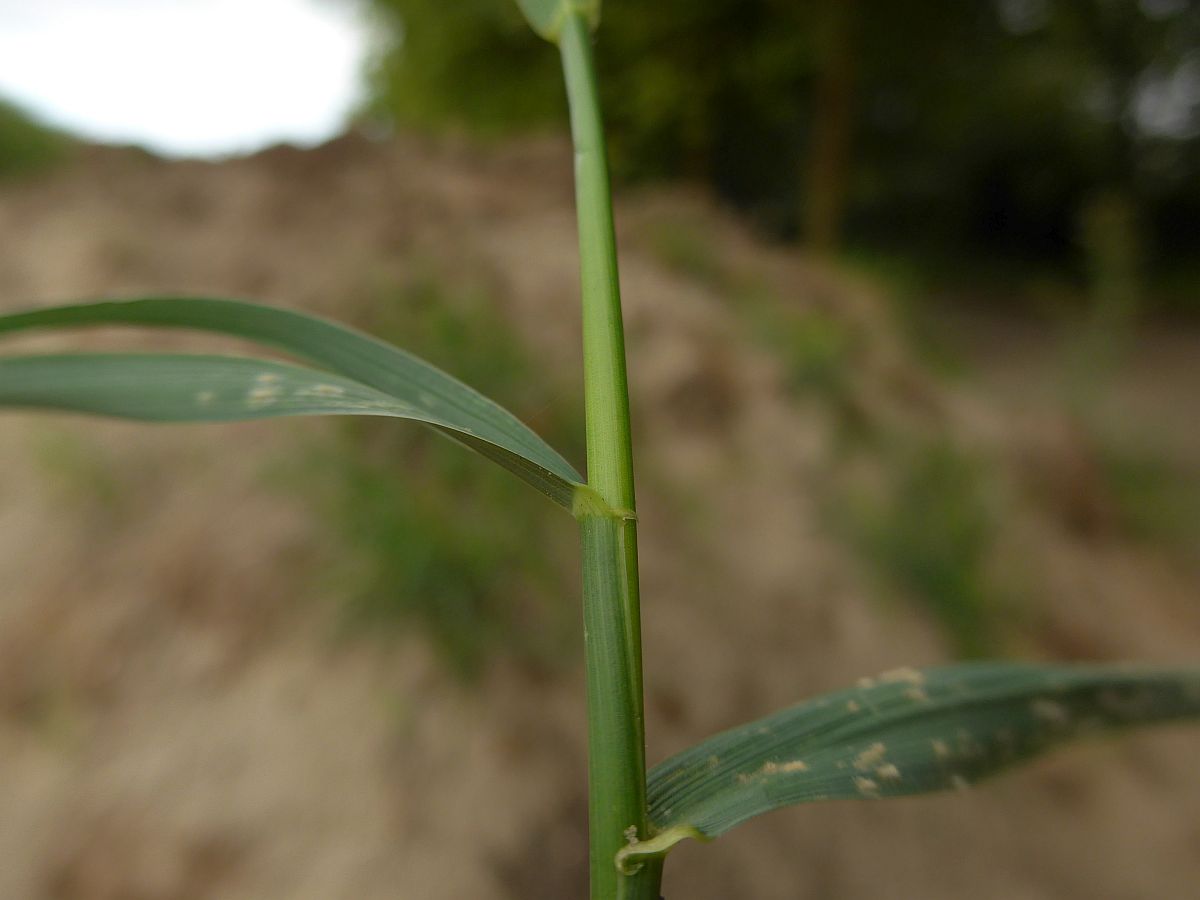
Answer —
436 397
907 732
152 387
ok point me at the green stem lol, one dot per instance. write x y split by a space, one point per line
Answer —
612 620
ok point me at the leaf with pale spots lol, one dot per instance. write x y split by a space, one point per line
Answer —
180 387
905 732
418 390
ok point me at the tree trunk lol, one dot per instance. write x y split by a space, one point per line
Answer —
824 197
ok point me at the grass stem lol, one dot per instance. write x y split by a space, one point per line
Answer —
616 733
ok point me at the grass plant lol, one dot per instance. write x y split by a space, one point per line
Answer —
929 532
1156 501
904 732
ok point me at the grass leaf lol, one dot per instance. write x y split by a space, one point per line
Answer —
905 732
424 391
153 387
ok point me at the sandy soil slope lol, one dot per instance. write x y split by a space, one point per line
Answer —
177 721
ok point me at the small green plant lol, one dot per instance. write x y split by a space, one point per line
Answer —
681 245
413 519
930 534
26 145
904 732
1154 500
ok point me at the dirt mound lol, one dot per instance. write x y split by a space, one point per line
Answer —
177 721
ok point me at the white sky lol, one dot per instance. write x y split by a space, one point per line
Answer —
185 77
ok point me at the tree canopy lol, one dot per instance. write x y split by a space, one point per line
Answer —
983 127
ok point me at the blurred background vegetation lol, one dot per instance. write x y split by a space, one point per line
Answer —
914 329
1031 155
423 533
1041 156
1056 134
26 145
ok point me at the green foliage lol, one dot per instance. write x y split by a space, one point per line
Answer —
375 379
422 533
928 531
479 67
79 470
428 548
1110 239
817 348
423 536
728 91
816 345
907 282
1156 501
153 387
26 145
453 549
905 732
685 248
